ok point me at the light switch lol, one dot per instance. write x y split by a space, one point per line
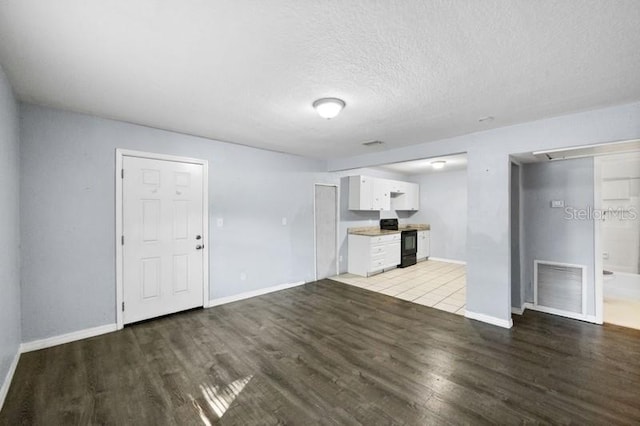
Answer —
220 222
557 204
284 221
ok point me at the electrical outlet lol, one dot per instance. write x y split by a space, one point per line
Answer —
340 259
220 222
243 276
605 255
284 221
557 204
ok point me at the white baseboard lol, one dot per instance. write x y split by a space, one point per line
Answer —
4 389
35 345
586 318
442 259
489 319
250 294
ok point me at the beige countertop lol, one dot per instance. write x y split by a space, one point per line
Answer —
374 231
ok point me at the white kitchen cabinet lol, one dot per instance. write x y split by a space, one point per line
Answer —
408 200
368 193
424 239
397 186
367 255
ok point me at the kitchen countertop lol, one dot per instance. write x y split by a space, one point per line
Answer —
375 231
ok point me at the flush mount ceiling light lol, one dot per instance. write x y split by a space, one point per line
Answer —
329 107
438 164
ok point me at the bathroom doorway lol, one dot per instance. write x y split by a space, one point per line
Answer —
618 181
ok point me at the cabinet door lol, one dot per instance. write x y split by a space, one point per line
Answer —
397 186
361 193
393 254
381 199
423 244
412 197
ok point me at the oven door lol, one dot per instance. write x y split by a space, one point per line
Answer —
409 244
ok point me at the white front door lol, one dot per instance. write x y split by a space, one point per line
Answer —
162 222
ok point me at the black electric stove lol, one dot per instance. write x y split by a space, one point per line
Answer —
408 242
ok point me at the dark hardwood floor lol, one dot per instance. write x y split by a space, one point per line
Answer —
329 353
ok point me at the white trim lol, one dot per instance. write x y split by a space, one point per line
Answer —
597 242
571 315
4 389
489 319
315 259
35 345
518 311
442 259
253 293
583 314
206 285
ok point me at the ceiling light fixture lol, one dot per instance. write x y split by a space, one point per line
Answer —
438 164
329 107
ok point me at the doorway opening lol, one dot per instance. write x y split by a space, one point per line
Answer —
618 183
424 197
326 221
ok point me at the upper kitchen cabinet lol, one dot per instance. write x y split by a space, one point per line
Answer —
408 200
368 193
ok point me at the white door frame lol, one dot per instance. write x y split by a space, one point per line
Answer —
315 254
597 241
120 154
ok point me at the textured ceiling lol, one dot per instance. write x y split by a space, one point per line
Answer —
248 71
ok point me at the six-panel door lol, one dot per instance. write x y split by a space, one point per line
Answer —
163 240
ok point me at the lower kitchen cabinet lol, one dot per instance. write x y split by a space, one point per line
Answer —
424 239
368 255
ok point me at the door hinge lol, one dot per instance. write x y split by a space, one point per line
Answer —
122 173
122 306
122 239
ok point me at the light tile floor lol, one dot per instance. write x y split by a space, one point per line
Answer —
440 285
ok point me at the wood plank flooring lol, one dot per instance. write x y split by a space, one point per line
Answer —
329 353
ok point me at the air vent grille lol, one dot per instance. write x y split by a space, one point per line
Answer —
560 287
372 143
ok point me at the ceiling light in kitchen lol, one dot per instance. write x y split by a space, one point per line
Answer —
438 164
329 107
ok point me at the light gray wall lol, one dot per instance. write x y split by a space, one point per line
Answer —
68 231
443 205
9 227
488 156
549 235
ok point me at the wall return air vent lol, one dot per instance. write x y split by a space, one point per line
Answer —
560 288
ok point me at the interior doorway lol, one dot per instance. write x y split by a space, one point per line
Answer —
326 217
618 196
161 235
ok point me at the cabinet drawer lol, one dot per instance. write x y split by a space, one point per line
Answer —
378 250
377 264
383 239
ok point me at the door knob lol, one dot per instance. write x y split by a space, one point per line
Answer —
198 237
199 247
